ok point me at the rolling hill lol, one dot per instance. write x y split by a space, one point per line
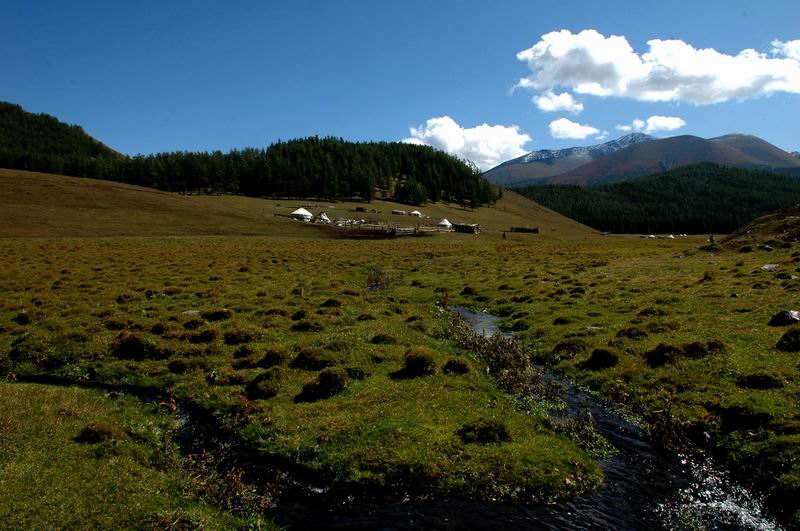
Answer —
45 205
651 156
41 134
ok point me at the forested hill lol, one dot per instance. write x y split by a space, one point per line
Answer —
329 168
703 198
25 132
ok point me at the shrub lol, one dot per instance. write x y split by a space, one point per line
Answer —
193 324
569 348
329 382
652 312
216 314
272 358
41 353
419 361
307 326
383 339
205 336
245 351
695 350
238 337
518 326
454 366
632 333
599 360
133 347
356 373
98 432
311 359
224 377
484 431
760 380
178 366
264 386
22 318
661 355
790 341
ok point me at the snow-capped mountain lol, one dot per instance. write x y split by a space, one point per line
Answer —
549 162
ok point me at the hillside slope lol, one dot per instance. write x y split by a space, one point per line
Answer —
42 134
635 155
538 165
783 226
738 151
38 204
703 198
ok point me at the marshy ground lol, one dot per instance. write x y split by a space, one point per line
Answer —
332 356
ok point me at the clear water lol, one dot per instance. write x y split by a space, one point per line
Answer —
645 487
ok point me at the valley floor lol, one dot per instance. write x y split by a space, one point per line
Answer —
300 348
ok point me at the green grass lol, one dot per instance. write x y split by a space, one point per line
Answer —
49 480
66 302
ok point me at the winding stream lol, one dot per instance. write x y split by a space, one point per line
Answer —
645 487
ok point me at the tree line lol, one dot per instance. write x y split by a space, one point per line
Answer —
329 168
697 199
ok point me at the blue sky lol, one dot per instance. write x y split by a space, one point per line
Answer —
165 75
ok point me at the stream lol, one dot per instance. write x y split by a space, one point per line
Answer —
645 487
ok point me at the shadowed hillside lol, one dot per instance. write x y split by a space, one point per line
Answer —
697 199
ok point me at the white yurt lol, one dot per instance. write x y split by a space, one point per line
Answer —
302 214
444 224
416 213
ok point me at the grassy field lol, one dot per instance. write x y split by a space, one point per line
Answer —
333 355
44 205
73 458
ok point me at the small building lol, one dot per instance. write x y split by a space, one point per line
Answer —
444 224
469 228
416 213
301 214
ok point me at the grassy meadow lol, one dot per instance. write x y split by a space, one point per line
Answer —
332 355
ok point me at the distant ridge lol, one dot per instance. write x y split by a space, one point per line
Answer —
538 165
643 155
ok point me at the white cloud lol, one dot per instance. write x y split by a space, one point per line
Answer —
549 101
485 145
790 49
564 128
654 124
671 70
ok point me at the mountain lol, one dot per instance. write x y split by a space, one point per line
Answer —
538 165
648 156
42 134
702 198
795 154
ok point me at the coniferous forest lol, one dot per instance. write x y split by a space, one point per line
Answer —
703 198
329 168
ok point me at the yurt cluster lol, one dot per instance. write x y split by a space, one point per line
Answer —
302 214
